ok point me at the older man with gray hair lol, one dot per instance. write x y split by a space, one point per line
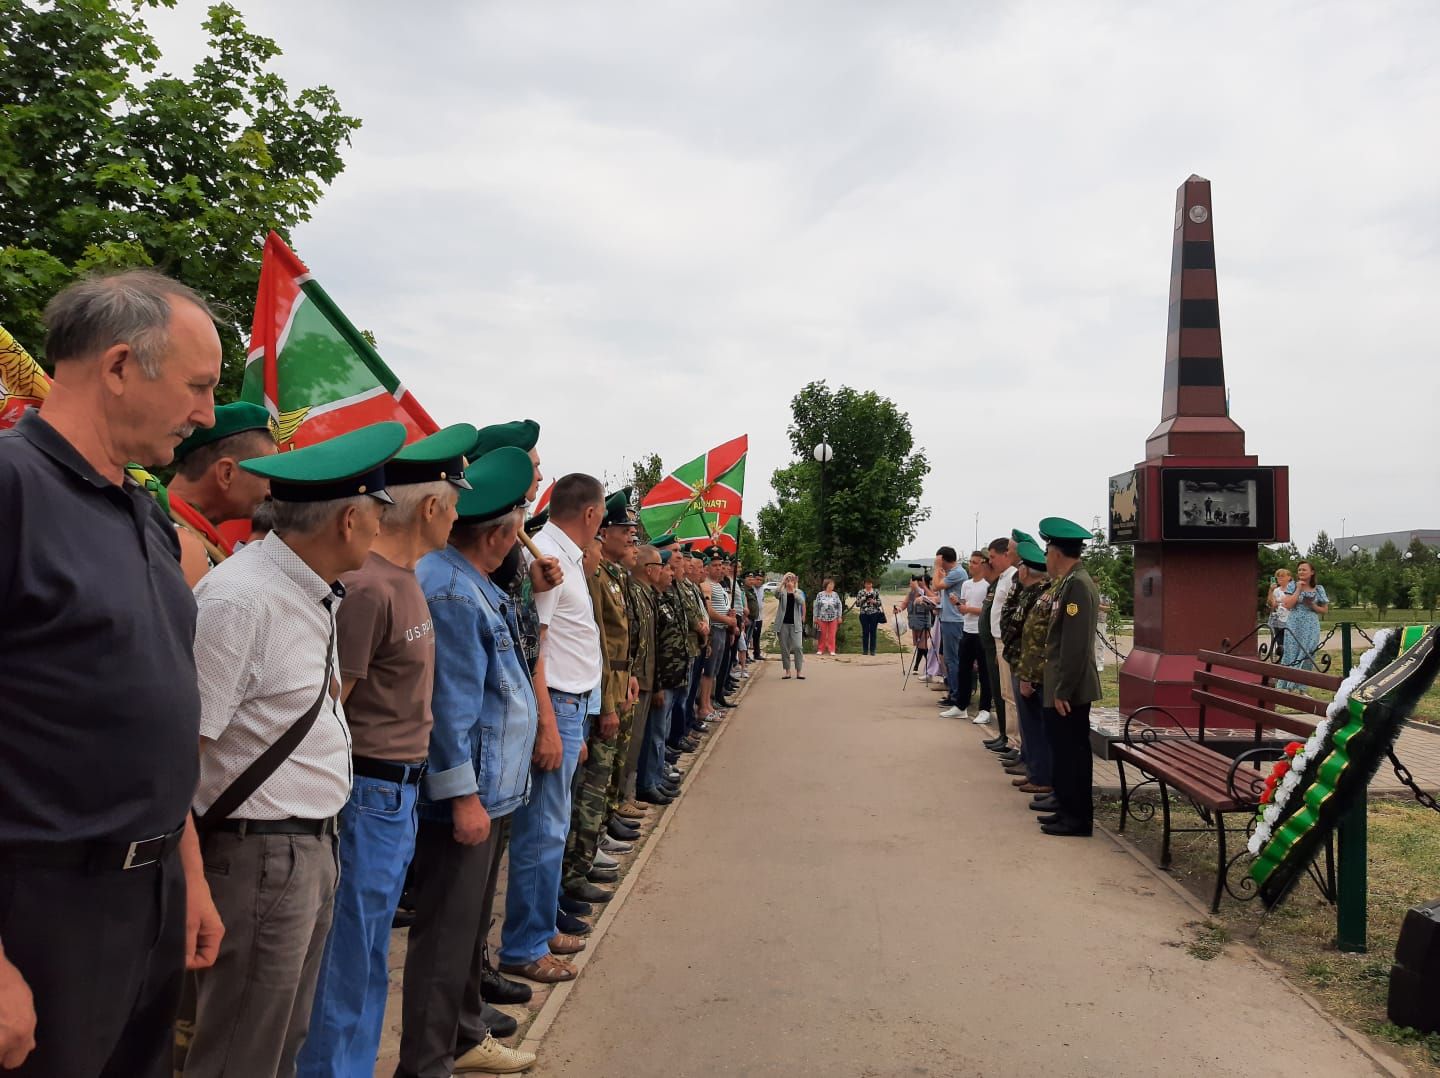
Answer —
275 755
103 901
386 646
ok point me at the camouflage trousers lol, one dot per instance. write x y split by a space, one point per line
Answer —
625 753
591 807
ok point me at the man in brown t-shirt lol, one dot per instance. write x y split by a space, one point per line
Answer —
385 651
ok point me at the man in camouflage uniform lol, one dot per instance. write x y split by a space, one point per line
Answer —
618 690
684 720
641 606
1023 640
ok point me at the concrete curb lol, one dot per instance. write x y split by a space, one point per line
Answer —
550 1009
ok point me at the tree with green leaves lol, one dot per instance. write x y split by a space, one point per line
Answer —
1113 570
1323 552
105 164
873 484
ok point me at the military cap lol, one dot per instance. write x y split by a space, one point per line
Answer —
1030 553
340 467
1062 529
498 483
1018 536
235 418
668 539
665 556
714 552
440 456
521 433
617 510
539 520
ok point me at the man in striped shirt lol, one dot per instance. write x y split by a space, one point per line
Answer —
721 622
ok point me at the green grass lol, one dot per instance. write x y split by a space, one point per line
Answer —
1404 867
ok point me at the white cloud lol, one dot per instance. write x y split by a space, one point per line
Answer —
608 216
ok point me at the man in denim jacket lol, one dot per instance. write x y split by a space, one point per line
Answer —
479 773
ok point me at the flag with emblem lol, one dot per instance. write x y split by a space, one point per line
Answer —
310 366
701 497
23 383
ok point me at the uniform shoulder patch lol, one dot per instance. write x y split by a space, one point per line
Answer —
1072 609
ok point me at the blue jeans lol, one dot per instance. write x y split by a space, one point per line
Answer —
537 843
952 634
652 753
674 722
377 840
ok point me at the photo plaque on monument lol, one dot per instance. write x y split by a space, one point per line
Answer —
1236 504
1125 507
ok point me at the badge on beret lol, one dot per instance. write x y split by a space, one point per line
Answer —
1072 609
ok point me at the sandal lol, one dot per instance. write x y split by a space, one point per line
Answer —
547 969
785 677
800 676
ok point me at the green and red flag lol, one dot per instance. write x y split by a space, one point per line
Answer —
310 366
701 497
23 382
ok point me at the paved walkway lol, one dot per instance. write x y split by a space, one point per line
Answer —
851 887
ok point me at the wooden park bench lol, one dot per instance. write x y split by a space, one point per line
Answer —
1215 783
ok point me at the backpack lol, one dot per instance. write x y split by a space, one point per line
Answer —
672 654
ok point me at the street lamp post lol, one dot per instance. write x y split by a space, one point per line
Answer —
823 453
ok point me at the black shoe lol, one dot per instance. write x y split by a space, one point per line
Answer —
603 875
588 892
495 988
1000 741
1048 819
620 831
1067 827
1044 803
652 797
689 744
574 906
667 790
499 1023
1003 747
672 755
571 926
674 775
946 701
402 918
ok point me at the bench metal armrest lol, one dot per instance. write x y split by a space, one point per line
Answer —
1260 755
1148 735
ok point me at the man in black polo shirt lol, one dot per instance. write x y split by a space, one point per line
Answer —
98 857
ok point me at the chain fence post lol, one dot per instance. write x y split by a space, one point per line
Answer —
1352 888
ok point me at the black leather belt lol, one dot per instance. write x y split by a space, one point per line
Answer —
98 856
385 769
619 666
293 826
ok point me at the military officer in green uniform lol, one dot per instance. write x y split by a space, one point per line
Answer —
1025 623
618 690
641 606
1071 681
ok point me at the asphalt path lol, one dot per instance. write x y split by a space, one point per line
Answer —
851 887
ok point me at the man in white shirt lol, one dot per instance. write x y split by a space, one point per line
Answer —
1002 572
568 669
275 749
969 603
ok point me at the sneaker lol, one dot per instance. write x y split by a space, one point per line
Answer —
951 713
982 719
613 845
604 860
492 1057
745 674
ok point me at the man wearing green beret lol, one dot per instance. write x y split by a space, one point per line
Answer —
386 656
275 753
210 487
1025 625
1071 681
486 720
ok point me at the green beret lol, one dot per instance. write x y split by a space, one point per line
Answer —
1030 553
1062 529
617 510
665 556
341 467
440 456
668 539
498 483
236 418
521 434
1021 537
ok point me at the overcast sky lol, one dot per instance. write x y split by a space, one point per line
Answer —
604 216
